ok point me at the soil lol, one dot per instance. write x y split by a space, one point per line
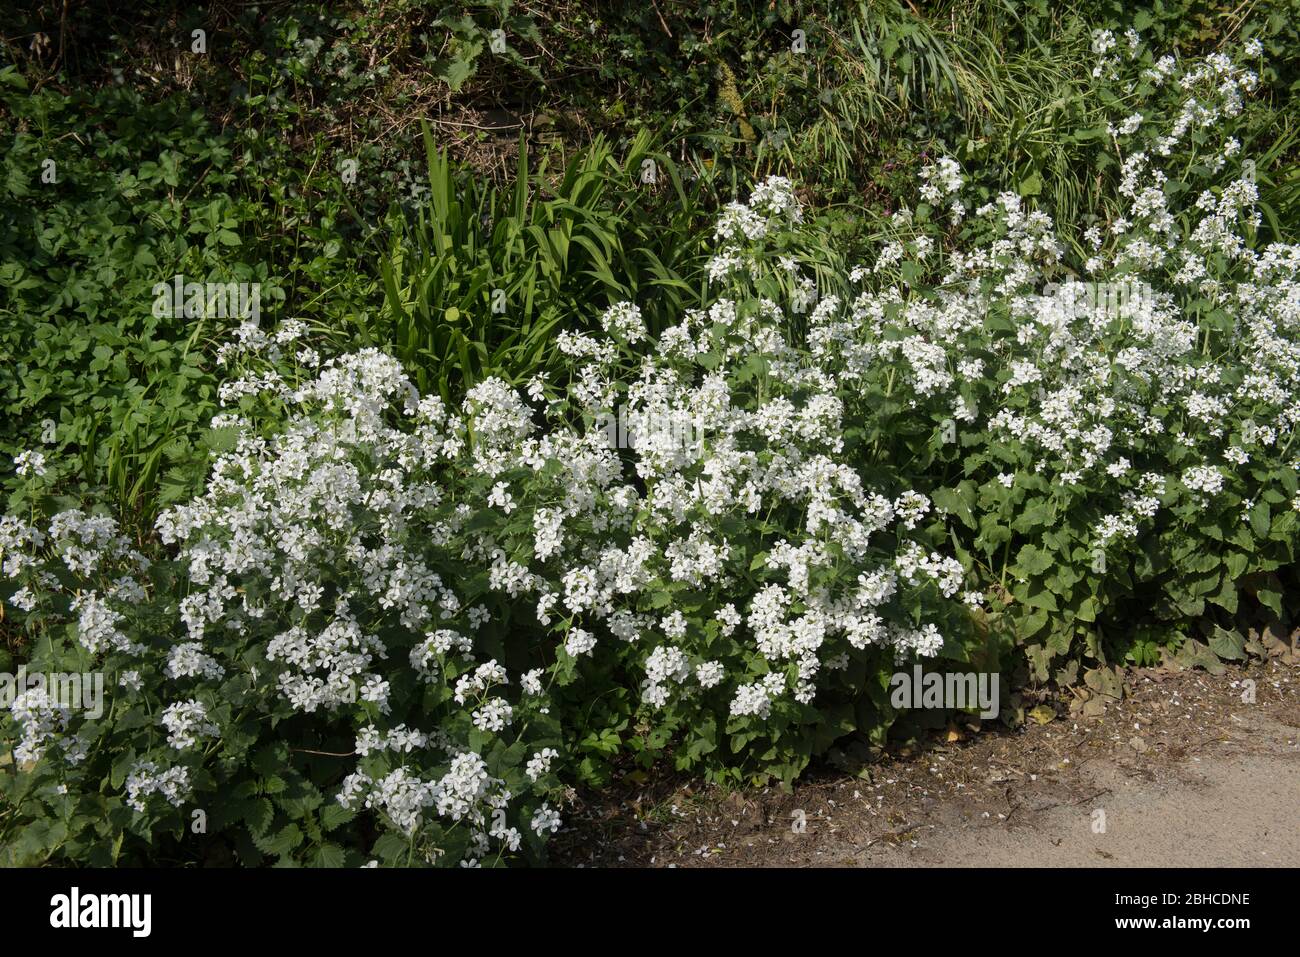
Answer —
1184 770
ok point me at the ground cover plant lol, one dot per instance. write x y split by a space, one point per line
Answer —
633 459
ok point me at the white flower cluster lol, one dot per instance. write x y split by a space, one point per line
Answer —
623 321
540 763
771 205
1090 376
186 723
941 182
145 779
187 660
40 719
368 559
30 462
328 545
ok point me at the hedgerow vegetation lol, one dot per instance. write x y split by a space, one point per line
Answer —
629 386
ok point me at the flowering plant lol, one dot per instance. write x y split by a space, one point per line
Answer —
375 592
391 628
1109 407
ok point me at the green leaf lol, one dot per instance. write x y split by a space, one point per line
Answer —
1032 517
1228 644
1259 519
1033 560
258 815
956 502
391 848
284 841
334 815
327 855
1272 598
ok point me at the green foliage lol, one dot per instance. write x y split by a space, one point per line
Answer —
145 192
479 280
405 177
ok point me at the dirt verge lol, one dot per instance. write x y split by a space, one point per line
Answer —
1185 770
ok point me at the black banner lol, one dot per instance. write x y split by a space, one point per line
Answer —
228 907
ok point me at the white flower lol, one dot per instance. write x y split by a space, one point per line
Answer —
30 463
500 497
674 625
540 763
146 779
186 723
495 715
531 682
579 642
623 321
545 819
710 674
188 660
1203 478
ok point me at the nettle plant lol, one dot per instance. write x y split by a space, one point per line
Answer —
1114 434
